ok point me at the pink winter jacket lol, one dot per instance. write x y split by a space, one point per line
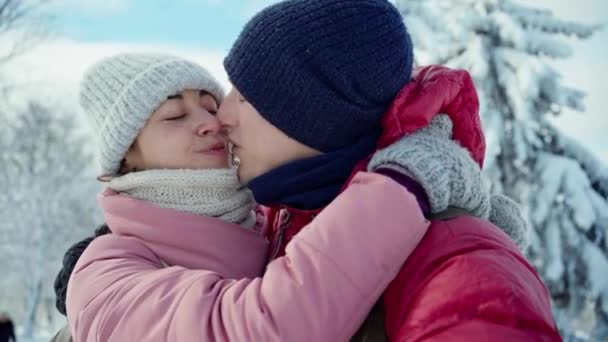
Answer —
164 275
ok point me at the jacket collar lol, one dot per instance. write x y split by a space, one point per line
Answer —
187 240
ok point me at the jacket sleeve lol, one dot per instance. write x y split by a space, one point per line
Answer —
321 290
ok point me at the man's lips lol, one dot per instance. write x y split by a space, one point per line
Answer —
233 145
232 142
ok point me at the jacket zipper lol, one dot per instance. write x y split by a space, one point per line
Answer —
280 234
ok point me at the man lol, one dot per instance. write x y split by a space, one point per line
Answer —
318 86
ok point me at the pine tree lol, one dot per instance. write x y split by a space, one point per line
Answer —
508 47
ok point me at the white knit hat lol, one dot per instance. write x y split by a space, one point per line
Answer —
120 93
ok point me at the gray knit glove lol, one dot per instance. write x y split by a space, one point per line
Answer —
507 215
444 169
449 176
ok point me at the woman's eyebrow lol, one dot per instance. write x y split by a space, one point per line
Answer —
180 97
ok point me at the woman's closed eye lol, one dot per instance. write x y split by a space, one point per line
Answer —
177 117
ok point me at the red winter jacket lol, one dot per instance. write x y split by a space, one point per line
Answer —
466 280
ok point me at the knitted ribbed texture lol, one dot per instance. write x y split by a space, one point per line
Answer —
450 177
322 71
216 193
445 170
507 215
119 94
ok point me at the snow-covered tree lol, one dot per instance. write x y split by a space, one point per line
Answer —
508 48
22 26
47 203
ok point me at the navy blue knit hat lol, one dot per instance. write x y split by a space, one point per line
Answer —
322 71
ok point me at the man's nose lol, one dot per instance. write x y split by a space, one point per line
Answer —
226 116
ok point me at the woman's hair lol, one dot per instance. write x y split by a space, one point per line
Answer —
70 258
123 170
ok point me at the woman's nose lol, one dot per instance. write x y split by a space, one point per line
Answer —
209 124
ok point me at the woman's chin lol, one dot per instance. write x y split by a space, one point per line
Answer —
212 161
222 163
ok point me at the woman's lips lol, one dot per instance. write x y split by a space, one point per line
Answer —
215 150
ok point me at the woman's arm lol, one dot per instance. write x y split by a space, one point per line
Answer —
321 290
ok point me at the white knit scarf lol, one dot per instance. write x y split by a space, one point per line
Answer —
216 192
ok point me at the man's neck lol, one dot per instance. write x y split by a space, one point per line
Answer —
311 183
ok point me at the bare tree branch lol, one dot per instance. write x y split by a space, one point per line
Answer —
24 20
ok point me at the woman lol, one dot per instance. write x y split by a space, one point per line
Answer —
185 257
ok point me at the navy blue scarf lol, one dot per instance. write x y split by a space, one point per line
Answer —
311 183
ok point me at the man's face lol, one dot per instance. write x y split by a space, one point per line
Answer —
258 145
